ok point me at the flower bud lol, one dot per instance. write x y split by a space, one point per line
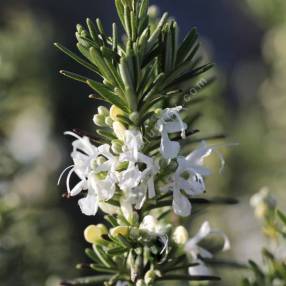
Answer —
93 233
100 160
180 235
99 120
119 130
158 111
263 203
140 283
79 28
102 110
119 230
153 11
108 121
114 112
116 147
150 276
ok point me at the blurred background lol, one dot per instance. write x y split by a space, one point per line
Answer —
40 232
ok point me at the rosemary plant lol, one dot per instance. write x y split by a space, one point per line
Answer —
133 169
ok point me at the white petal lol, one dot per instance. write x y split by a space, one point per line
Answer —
77 189
200 270
105 188
204 231
149 224
126 208
181 204
89 205
169 149
198 155
151 188
174 127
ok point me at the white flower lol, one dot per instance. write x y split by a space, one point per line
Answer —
151 225
85 166
137 183
192 246
188 180
198 253
83 153
154 228
170 122
138 178
133 141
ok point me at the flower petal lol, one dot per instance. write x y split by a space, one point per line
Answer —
169 149
181 204
89 205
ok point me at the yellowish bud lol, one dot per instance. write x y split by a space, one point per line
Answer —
114 112
119 130
180 235
119 230
94 233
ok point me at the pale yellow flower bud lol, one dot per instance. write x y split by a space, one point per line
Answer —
93 233
180 235
119 230
114 112
150 276
99 120
102 110
108 121
119 130
153 11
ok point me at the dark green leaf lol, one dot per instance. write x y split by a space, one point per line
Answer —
108 95
77 58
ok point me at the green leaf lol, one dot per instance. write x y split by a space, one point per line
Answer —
187 46
74 76
77 58
84 51
127 22
92 280
124 120
256 269
192 74
101 269
90 253
116 251
114 37
120 11
106 134
111 219
188 278
154 37
108 95
282 216
92 31
103 257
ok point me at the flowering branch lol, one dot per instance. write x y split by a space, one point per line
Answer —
134 164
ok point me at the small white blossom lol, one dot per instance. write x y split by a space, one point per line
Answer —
168 123
188 180
84 156
137 181
198 253
192 246
154 228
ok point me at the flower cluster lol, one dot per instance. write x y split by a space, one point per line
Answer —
133 177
